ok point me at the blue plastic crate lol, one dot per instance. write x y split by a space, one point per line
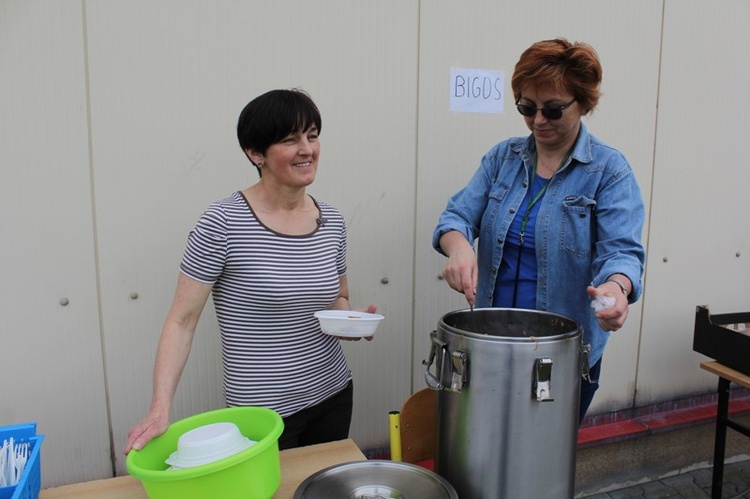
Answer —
31 479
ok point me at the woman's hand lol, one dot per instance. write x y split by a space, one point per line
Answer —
147 429
612 318
370 310
460 270
342 303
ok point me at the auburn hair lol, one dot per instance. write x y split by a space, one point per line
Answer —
574 67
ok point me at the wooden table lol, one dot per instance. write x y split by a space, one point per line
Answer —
726 376
296 465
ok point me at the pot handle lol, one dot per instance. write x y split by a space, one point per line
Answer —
433 382
585 350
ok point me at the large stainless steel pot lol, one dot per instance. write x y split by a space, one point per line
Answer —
509 384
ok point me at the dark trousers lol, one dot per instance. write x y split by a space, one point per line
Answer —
588 388
327 421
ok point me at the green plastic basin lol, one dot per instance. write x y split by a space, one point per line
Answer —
252 473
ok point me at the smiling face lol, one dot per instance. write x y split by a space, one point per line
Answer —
291 162
552 135
274 118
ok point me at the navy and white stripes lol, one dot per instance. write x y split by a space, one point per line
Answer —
266 288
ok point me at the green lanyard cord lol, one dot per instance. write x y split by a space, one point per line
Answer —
526 215
539 195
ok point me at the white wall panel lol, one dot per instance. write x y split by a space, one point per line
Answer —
492 35
699 243
168 81
105 206
52 369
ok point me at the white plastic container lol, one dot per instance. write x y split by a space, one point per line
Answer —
348 323
207 444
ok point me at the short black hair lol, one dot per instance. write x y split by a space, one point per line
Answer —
270 117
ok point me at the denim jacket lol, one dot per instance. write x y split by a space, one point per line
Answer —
588 227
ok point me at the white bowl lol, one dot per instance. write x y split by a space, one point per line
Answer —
207 444
348 323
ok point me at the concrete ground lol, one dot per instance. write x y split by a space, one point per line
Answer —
672 464
692 484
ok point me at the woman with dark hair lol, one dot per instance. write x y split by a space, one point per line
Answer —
271 256
558 214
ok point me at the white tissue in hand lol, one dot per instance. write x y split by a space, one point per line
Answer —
602 302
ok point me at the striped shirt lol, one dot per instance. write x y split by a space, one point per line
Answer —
266 288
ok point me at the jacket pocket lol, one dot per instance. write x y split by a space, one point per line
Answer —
577 226
495 200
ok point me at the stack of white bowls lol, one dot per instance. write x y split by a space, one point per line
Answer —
207 444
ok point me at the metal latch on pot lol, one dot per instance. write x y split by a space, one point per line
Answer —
585 350
450 368
543 380
458 376
435 381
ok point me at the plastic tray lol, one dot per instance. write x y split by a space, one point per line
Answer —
31 479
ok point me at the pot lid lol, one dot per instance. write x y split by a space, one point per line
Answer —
375 479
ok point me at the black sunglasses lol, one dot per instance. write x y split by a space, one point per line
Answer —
549 112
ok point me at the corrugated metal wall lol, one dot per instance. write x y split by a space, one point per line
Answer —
117 129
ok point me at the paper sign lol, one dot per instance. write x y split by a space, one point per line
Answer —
476 91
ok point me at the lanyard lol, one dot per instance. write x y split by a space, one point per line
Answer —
526 215
539 195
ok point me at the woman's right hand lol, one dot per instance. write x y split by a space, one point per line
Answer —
147 429
460 270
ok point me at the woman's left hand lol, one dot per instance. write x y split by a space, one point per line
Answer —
370 310
612 318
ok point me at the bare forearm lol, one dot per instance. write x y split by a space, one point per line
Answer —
454 242
171 357
342 301
460 270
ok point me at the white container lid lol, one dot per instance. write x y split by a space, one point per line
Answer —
207 444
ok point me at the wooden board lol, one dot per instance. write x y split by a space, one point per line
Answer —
296 465
727 373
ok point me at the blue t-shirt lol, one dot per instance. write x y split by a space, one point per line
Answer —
505 285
